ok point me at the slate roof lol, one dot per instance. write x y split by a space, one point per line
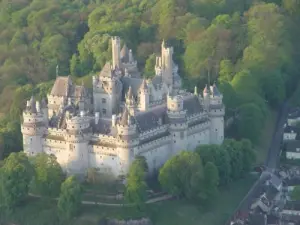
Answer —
275 181
292 205
292 145
192 105
257 219
295 114
61 86
103 126
214 90
134 83
290 129
31 108
124 54
150 119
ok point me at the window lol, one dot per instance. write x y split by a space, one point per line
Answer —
103 100
104 111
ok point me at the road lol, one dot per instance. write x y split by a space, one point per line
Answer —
270 163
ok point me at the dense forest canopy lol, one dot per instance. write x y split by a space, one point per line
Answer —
249 47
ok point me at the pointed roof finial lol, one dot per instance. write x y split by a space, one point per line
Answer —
195 90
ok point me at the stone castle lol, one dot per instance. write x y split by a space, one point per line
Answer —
123 116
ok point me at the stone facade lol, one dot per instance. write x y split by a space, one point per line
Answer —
122 116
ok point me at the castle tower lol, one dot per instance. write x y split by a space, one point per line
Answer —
167 64
144 96
77 138
216 114
178 125
116 50
33 128
107 92
127 131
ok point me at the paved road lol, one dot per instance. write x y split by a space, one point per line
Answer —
271 162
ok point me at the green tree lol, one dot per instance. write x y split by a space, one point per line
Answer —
136 187
295 194
149 71
48 175
249 156
211 180
217 155
182 176
15 176
69 201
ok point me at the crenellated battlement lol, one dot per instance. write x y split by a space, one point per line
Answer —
156 118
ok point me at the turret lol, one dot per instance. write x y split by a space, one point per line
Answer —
33 128
116 50
144 96
178 125
77 138
216 114
127 132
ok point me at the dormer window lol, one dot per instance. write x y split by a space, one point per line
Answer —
104 111
103 100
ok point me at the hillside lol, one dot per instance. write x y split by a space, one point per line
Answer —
249 47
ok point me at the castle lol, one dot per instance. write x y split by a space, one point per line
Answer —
123 116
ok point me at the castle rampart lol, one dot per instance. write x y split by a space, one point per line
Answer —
124 116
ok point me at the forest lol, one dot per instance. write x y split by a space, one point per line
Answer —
248 47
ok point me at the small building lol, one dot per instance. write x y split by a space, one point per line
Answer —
294 117
292 149
291 211
291 133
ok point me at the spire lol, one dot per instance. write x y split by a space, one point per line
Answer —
144 85
163 44
206 90
129 93
195 90
124 119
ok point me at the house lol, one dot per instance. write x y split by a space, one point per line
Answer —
294 117
292 149
291 211
275 182
291 133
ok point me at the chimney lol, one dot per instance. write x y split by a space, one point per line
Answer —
97 116
113 120
28 104
69 101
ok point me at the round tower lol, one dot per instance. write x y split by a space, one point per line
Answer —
178 125
128 140
77 138
33 128
216 114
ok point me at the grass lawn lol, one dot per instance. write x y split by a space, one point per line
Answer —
267 133
173 212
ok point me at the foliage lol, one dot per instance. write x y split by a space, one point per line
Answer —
69 201
233 159
295 194
48 175
136 186
15 176
183 176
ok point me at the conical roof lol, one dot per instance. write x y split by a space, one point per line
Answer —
144 85
206 90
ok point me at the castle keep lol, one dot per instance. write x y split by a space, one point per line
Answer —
122 117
